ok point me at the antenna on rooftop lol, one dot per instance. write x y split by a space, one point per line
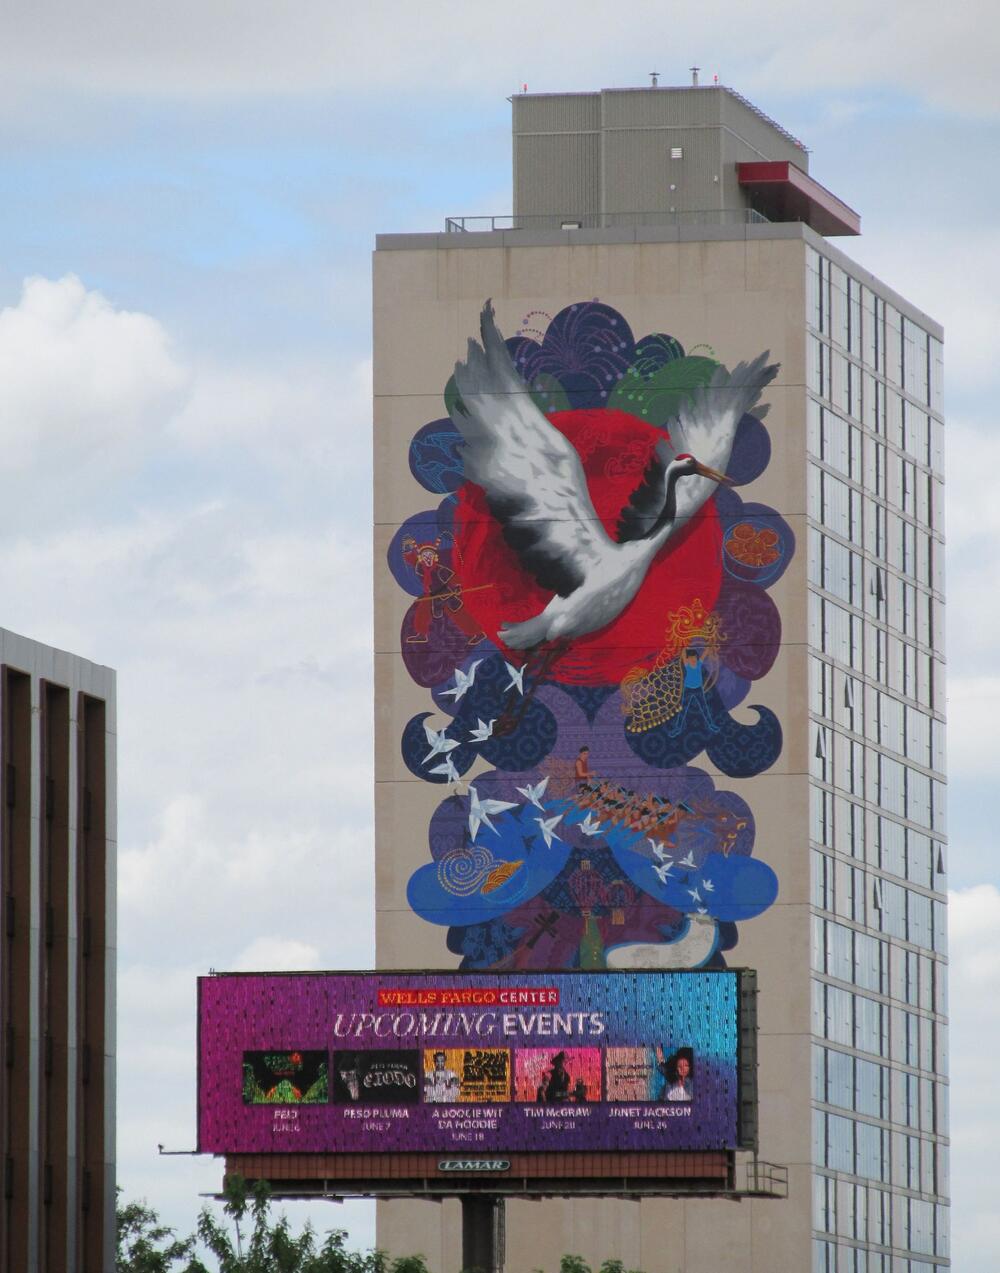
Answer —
694 76
655 77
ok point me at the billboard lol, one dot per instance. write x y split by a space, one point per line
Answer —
469 1063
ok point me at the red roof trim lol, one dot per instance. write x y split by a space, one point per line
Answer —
783 192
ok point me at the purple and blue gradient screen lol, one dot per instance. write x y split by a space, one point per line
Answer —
472 1063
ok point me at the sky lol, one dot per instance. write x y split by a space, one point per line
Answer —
189 194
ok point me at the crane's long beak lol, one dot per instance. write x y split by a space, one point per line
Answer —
714 474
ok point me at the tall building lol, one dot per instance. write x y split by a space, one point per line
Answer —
57 960
767 704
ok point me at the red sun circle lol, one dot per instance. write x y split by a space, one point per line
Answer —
614 448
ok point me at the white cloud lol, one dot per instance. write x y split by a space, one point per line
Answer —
289 408
92 395
273 884
212 49
277 954
973 457
973 711
224 571
973 609
974 978
78 376
973 583
955 278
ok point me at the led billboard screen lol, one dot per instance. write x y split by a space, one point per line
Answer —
469 1063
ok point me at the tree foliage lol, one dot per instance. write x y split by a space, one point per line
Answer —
249 1239
246 1239
144 1245
253 1242
577 1264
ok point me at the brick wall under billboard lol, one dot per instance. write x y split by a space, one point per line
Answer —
408 1062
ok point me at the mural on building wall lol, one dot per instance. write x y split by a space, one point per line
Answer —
589 607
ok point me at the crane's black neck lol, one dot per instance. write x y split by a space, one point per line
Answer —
669 510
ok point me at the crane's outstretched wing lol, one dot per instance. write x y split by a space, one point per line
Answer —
531 475
704 427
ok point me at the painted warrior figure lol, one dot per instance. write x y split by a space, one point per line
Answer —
442 592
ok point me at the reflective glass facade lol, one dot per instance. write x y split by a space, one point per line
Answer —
848 813
877 792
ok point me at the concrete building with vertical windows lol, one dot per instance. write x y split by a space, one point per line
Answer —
778 685
57 960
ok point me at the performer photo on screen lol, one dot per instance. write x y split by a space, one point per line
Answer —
557 1081
673 1077
349 1078
440 1084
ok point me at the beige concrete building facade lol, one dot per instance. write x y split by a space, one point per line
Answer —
813 715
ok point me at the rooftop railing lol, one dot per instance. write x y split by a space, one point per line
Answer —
601 220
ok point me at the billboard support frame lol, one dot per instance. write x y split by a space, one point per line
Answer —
484 1232
762 1180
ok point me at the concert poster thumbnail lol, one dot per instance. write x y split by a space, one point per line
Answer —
377 1077
285 1077
466 1075
553 1076
659 1073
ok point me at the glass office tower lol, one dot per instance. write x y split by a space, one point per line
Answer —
661 240
877 795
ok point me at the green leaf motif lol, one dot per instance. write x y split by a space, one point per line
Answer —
659 397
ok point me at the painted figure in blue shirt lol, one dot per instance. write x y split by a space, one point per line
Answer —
693 692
